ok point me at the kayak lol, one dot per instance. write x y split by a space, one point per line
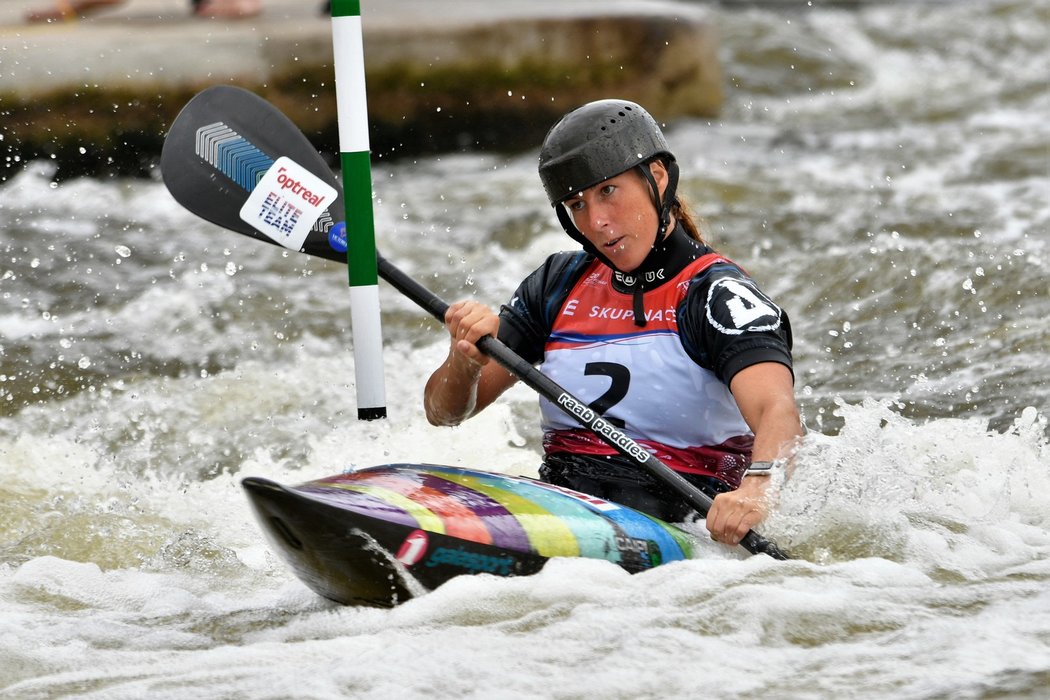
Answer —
383 535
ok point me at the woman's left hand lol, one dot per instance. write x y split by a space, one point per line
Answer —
734 513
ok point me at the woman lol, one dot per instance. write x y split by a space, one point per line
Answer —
667 339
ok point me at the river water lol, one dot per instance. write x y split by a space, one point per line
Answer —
882 169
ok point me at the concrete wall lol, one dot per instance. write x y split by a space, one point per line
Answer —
97 95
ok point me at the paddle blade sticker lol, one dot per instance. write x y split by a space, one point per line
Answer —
287 202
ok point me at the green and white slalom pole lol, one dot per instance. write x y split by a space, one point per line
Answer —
361 259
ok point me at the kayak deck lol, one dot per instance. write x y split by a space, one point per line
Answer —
383 535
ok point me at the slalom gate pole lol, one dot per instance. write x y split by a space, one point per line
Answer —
355 159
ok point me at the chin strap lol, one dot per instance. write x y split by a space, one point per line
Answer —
639 308
663 211
664 206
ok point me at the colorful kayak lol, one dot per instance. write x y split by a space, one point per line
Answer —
382 535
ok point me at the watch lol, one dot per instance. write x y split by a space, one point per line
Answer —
759 469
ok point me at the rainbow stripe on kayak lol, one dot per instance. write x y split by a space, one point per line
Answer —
512 513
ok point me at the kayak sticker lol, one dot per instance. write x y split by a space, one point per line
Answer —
413 548
287 202
462 558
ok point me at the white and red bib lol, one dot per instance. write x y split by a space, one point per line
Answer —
639 377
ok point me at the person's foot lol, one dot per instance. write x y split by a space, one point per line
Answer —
69 10
227 9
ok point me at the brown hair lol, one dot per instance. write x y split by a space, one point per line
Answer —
681 213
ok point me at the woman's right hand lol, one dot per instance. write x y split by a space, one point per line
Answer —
466 382
467 323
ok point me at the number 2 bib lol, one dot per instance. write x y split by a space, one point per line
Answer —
640 378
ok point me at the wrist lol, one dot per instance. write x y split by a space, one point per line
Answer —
464 366
760 468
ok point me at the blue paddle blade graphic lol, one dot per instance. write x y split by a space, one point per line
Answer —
232 155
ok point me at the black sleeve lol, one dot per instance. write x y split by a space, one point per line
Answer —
727 323
526 320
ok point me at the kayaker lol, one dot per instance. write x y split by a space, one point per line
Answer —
647 324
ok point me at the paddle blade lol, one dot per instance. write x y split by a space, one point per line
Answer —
219 147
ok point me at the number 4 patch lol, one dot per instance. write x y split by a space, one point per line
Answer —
735 306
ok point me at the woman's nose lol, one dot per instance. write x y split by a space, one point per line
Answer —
597 216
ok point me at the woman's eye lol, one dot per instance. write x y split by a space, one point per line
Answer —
608 190
576 205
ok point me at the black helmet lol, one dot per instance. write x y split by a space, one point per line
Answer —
598 141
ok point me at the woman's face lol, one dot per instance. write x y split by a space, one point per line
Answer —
618 216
